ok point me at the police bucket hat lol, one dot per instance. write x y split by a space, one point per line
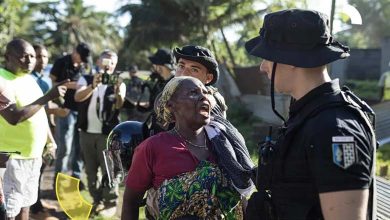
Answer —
200 55
297 37
161 57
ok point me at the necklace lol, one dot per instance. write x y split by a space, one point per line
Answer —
189 142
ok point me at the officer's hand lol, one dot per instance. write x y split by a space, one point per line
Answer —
58 90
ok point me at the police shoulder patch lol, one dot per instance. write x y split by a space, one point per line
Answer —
344 151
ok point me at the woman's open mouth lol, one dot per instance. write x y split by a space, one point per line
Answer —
205 109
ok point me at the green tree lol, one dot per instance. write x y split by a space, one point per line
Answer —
173 22
177 22
13 20
62 25
376 16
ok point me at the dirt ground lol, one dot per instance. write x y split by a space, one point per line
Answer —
49 199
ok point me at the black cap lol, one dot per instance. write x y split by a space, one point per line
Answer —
161 57
297 37
84 51
200 55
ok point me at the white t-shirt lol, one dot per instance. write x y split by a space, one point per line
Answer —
95 122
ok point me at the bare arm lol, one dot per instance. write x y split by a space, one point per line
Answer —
69 84
83 92
54 110
119 101
51 144
50 138
120 98
131 204
351 204
72 85
15 115
53 79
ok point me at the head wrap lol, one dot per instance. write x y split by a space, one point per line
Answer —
164 116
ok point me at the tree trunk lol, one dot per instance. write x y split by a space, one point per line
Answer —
228 47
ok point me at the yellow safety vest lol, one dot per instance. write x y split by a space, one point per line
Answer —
28 137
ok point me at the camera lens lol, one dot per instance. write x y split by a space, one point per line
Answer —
105 78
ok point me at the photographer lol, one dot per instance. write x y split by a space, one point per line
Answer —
100 97
69 67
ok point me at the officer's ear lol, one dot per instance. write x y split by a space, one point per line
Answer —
209 77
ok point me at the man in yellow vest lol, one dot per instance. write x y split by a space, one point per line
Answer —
23 128
384 84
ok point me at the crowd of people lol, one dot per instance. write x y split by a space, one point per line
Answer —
192 163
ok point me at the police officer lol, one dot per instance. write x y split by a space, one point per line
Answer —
321 166
199 62
162 73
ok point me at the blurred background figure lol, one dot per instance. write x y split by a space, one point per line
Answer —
67 135
39 210
100 96
133 92
162 73
384 86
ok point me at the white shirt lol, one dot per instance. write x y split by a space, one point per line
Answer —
95 122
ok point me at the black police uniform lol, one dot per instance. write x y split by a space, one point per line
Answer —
324 147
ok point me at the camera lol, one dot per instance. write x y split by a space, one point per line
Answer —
108 79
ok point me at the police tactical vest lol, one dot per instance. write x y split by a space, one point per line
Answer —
306 191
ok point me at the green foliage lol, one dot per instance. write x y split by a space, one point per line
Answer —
375 15
243 120
354 40
62 26
365 89
383 159
12 13
182 22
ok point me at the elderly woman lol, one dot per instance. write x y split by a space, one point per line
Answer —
180 164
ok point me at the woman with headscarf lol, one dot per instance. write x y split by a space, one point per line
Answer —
180 164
